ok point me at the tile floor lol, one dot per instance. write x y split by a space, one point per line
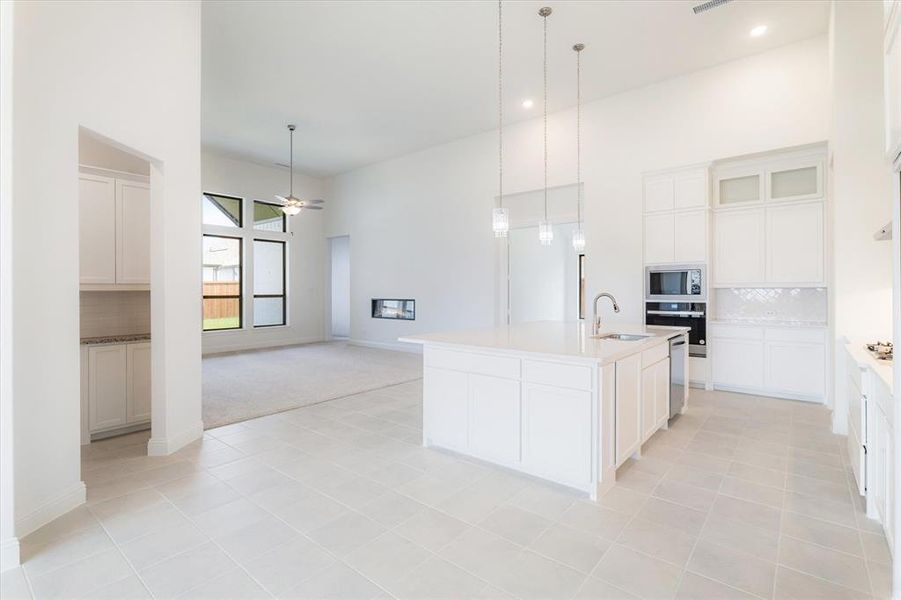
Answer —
743 497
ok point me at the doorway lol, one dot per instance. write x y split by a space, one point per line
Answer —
339 290
545 281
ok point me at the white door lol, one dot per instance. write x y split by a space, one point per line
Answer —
739 252
445 408
659 243
690 236
138 383
738 363
795 243
628 407
662 391
796 368
133 234
106 397
494 419
556 430
96 229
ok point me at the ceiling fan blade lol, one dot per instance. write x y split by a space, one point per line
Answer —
315 201
281 199
305 207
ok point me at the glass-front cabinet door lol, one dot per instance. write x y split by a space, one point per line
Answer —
739 187
797 180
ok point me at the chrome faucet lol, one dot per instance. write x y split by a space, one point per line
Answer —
596 321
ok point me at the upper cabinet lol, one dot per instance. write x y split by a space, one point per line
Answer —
675 220
779 180
114 233
892 87
737 187
795 244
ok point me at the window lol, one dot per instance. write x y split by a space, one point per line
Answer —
268 217
222 211
268 283
222 259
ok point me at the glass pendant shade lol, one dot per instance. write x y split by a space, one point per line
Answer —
291 207
500 222
579 240
545 233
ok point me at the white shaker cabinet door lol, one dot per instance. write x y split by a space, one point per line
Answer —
658 193
659 240
97 229
648 401
690 239
795 368
138 382
662 391
494 422
133 236
690 189
445 414
106 396
556 426
739 255
738 363
795 244
628 407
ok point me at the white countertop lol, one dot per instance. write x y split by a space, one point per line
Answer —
553 339
882 368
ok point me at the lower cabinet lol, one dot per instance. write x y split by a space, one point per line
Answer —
116 386
446 407
654 397
628 407
494 418
556 425
880 455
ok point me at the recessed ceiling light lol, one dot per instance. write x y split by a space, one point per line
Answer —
527 103
758 31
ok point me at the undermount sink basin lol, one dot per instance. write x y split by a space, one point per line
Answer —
624 337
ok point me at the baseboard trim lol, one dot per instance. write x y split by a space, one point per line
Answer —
72 497
770 394
9 554
396 346
214 348
165 446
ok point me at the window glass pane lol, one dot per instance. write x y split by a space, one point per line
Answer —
221 210
268 217
221 313
268 311
268 268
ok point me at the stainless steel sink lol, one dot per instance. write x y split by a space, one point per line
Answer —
624 337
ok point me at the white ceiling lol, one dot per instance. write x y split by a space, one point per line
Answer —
366 81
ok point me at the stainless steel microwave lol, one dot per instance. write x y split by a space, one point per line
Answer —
676 283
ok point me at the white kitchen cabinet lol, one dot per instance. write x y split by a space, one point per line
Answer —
658 193
494 418
659 238
662 392
796 368
628 407
654 397
107 387
556 425
740 186
739 247
795 244
445 407
690 236
138 376
114 232
738 363
690 189
132 232
97 229
795 179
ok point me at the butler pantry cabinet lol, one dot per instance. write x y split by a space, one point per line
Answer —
114 232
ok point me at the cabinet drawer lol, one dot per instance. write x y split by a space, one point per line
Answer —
736 332
653 355
794 334
483 364
556 374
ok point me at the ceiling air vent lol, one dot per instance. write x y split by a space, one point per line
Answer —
708 5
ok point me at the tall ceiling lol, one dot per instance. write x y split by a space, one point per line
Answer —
366 81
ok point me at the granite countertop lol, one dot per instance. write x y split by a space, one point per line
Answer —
116 339
769 323
555 339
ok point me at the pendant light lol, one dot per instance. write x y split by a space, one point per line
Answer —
500 217
579 233
545 230
293 205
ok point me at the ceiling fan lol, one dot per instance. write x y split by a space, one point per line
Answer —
291 205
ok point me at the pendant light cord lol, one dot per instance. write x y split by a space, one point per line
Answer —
545 118
291 167
579 136
500 104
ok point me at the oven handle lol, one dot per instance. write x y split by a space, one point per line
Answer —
675 314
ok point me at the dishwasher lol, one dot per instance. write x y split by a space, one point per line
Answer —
677 383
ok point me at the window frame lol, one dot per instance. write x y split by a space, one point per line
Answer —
267 231
284 294
241 218
239 296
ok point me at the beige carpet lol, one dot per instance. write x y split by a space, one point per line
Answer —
242 385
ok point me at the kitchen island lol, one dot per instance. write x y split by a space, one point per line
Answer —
549 398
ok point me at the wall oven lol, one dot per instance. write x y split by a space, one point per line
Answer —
682 314
676 283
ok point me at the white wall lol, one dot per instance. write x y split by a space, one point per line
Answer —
421 223
340 286
95 153
252 181
130 72
544 282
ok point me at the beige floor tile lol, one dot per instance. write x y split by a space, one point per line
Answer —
752 492
544 500
387 559
482 553
758 515
235 584
880 579
666 543
255 539
228 518
679 517
178 574
598 589
311 511
794 585
839 568
824 490
151 549
734 568
391 509
696 477
346 533
13 585
636 480
818 508
699 499
876 548
638 573
82 577
596 520
736 534
130 588
824 533
338 582
576 549
437 578
758 475
431 529
696 587
515 524
285 567
531 576
81 544
622 500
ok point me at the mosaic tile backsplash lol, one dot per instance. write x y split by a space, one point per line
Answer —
797 305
